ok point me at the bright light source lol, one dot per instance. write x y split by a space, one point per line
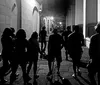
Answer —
98 10
60 23
52 18
40 10
44 18
84 18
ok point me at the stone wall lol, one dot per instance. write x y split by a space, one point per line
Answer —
30 16
91 17
78 12
19 14
8 15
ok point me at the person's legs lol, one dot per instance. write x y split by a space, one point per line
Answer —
74 66
41 49
44 46
92 73
41 45
35 68
50 62
58 63
78 60
23 66
3 70
50 70
66 52
28 70
14 66
29 67
92 78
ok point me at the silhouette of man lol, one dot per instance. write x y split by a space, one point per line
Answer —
65 37
43 35
55 45
75 43
94 52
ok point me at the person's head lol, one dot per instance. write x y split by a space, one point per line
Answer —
55 31
43 28
76 28
21 34
7 32
34 35
68 28
97 28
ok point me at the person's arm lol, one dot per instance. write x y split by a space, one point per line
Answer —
91 48
49 43
82 41
62 42
38 48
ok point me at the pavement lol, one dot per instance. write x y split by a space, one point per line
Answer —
66 71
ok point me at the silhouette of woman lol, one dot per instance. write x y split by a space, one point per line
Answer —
33 51
7 48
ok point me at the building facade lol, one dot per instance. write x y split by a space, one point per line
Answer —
20 14
84 13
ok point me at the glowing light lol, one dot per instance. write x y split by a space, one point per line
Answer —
84 18
52 18
40 10
60 23
98 10
44 18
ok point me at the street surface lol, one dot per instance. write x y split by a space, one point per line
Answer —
66 71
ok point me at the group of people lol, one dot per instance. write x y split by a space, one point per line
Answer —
17 50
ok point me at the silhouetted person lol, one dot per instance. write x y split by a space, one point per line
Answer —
75 43
65 37
54 50
21 45
7 48
94 52
33 51
13 50
43 35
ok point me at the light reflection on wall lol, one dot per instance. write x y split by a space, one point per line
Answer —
98 10
84 18
30 16
79 12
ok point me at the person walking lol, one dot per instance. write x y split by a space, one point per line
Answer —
33 53
75 43
55 45
42 36
7 49
21 45
94 53
65 37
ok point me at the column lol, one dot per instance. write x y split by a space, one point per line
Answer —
91 17
98 11
79 14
